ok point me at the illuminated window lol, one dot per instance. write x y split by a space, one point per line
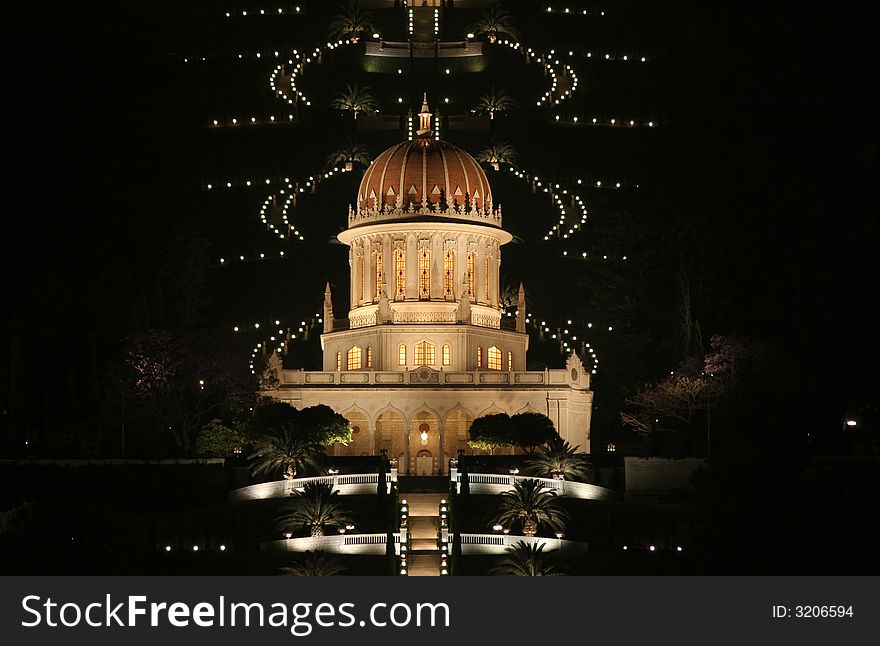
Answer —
424 273
378 255
479 357
369 356
354 358
509 360
447 355
471 259
493 357
401 355
338 361
400 272
449 273
424 354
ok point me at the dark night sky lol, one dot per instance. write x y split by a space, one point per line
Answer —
772 126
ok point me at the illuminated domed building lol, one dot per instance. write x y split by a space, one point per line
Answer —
423 351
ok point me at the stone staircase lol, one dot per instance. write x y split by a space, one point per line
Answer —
423 523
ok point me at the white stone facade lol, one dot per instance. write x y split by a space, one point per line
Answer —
422 352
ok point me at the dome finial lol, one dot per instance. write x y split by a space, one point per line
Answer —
424 118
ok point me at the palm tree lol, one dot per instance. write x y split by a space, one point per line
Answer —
314 507
315 564
525 559
351 23
495 21
350 152
561 460
532 504
497 153
357 99
494 101
286 451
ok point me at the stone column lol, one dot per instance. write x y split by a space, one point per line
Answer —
480 273
412 267
369 271
351 283
437 266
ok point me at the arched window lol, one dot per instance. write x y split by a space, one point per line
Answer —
510 361
449 273
379 277
338 361
447 355
471 271
400 272
354 358
424 354
424 272
369 356
493 357
401 355
479 357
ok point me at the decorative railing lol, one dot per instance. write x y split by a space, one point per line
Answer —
486 378
399 49
499 543
348 484
338 544
379 212
493 483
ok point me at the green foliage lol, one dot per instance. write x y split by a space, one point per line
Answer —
490 432
315 506
493 22
217 439
351 23
286 452
350 152
494 100
525 559
531 505
523 430
560 458
315 564
355 99
530 430
497 153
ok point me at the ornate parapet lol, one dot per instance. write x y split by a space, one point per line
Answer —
397 211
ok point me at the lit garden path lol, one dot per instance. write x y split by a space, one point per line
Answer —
423 25
423 523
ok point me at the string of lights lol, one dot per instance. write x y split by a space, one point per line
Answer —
265 12
253 120
570 11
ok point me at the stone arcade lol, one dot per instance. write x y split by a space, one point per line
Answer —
424 351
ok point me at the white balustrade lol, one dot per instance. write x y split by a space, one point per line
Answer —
499 543
340 544
347 484
493 483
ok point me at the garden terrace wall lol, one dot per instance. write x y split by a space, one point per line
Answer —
349 484
370 544
499 543
491 483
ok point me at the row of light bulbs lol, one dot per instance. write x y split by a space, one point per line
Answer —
263 12
290 192
610 122
258 121
573 12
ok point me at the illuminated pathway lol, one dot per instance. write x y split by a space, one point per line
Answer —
423 524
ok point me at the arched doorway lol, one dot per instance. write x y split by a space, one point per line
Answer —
456 433
424 444
360 435
390 433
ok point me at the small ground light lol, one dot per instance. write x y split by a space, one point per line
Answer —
851 422
651 548
625 547
222 548
678 548
195 548
167 548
